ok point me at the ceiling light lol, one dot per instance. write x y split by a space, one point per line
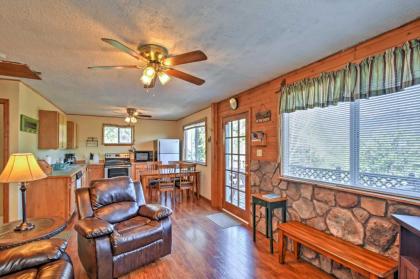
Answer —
133 119
146 79
150 72
163 78
127 119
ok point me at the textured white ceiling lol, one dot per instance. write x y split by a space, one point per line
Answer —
247 42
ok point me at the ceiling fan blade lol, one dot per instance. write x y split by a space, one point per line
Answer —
14 69
122 47
118 67
143 116
189 57
184 76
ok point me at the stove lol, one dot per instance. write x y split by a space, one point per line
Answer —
117 164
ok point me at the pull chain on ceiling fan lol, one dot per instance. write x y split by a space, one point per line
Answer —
158 63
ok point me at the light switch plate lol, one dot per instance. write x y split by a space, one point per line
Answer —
259 152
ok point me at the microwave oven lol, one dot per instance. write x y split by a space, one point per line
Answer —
143 156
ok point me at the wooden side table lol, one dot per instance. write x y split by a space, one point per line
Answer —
270 204
44 228
409 266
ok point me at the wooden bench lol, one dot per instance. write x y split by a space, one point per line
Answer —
363 261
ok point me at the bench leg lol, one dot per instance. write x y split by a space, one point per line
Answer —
373 276
282 247
296 248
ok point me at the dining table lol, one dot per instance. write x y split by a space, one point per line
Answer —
147 175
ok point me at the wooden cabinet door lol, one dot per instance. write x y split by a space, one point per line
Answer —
95 172
48 197
409 269
71 135
49 130
52 130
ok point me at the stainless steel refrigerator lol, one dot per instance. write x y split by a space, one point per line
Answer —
167 150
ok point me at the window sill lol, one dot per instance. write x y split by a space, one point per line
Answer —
355 190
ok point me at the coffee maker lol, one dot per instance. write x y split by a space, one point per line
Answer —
70 158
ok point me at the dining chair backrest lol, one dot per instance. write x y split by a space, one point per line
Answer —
186 173
187 167
166 175
153 165
167 169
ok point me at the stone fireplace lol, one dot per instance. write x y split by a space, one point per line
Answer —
361 219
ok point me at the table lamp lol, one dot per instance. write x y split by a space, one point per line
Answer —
22 168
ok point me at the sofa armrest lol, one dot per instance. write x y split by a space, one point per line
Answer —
31 255
93 227
154 211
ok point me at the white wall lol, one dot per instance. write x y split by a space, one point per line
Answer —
205 183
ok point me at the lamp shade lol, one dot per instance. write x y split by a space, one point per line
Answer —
21 167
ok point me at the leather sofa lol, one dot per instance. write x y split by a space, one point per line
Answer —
38 259
117 231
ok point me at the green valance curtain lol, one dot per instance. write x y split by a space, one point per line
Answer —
386 73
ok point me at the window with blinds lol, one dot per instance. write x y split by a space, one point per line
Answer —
372 143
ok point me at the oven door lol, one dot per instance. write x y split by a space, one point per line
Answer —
117 171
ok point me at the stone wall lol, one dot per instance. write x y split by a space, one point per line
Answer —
362 220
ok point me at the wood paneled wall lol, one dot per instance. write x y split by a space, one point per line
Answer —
265 96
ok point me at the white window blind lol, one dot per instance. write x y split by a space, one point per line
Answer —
372 143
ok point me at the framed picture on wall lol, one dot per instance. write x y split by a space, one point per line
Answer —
28 124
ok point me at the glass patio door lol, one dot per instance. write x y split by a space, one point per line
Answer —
236 192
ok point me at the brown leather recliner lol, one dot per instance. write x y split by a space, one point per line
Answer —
38 259
117 231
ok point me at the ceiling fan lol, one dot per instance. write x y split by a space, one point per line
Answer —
133 115
16 69
158 63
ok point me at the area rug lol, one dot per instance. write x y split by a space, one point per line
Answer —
223 220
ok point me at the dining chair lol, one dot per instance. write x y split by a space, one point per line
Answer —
151 182
186 179
166 181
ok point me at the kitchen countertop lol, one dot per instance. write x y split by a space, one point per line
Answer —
69 171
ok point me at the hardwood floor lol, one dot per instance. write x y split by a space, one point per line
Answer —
202 249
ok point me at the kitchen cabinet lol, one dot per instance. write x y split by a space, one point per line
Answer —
53 196
94 172
71 135
52 132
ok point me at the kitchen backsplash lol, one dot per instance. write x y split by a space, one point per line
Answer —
55 155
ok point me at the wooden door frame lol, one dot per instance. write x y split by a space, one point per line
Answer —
5 103
234 210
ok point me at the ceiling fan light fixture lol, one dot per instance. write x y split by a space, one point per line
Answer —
133 119
146 79
163 77
127 119
150 72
